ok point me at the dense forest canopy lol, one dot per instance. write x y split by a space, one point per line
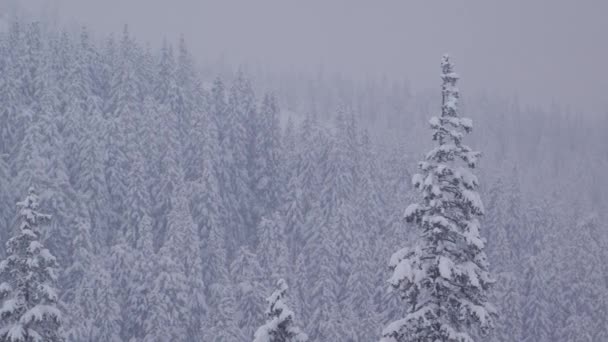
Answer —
179 199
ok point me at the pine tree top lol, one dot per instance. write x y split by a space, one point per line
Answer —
280 325
444 278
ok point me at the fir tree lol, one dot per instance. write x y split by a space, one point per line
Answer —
316 271
178 284
280 325
292 209
91 181
10 95
444 279
246 274
535 316
266 159
29 311
242 115
139 299
98 315
5 199
272 247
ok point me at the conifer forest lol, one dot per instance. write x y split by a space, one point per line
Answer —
147 195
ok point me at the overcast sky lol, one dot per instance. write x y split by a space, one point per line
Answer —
541 50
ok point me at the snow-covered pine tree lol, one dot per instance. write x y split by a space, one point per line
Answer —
280 325
98 305
267 159
293 207
92 305
241 113
5 199
316 269
29 311
10 95
444 279
272 246
91 181
246 274
535 314
502 254
145 265
179 272
31 79
185 102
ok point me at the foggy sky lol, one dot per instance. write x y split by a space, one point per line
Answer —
539 50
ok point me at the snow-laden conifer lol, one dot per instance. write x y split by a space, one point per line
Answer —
266 158
29 311
280 325
444 279
246 273
272 246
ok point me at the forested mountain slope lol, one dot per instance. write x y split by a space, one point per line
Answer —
178 202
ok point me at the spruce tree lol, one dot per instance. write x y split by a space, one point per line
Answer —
246 274
266 159
292 207
280 325
94 313
29 311
100 318
316 270
10 94
146 259
5 199
91 181
272 246
178 282
444 279
536 323
242 114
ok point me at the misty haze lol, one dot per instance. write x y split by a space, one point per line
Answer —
303 171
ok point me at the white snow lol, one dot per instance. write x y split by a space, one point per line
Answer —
39 312
466 123
406 267
15 333
280 317
467 177
5 287
34 247
49 291
9 305
434 122
46 255
417 180
411 210
472 198
446 267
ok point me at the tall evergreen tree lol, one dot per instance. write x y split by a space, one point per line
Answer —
97 316
246 274
140 306
242 116
316 271
178 284
91 181
444 279
272 246
266 169
10 96
280 325
5 199
535 316
29 311
293 206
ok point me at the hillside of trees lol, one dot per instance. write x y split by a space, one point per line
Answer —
179 199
